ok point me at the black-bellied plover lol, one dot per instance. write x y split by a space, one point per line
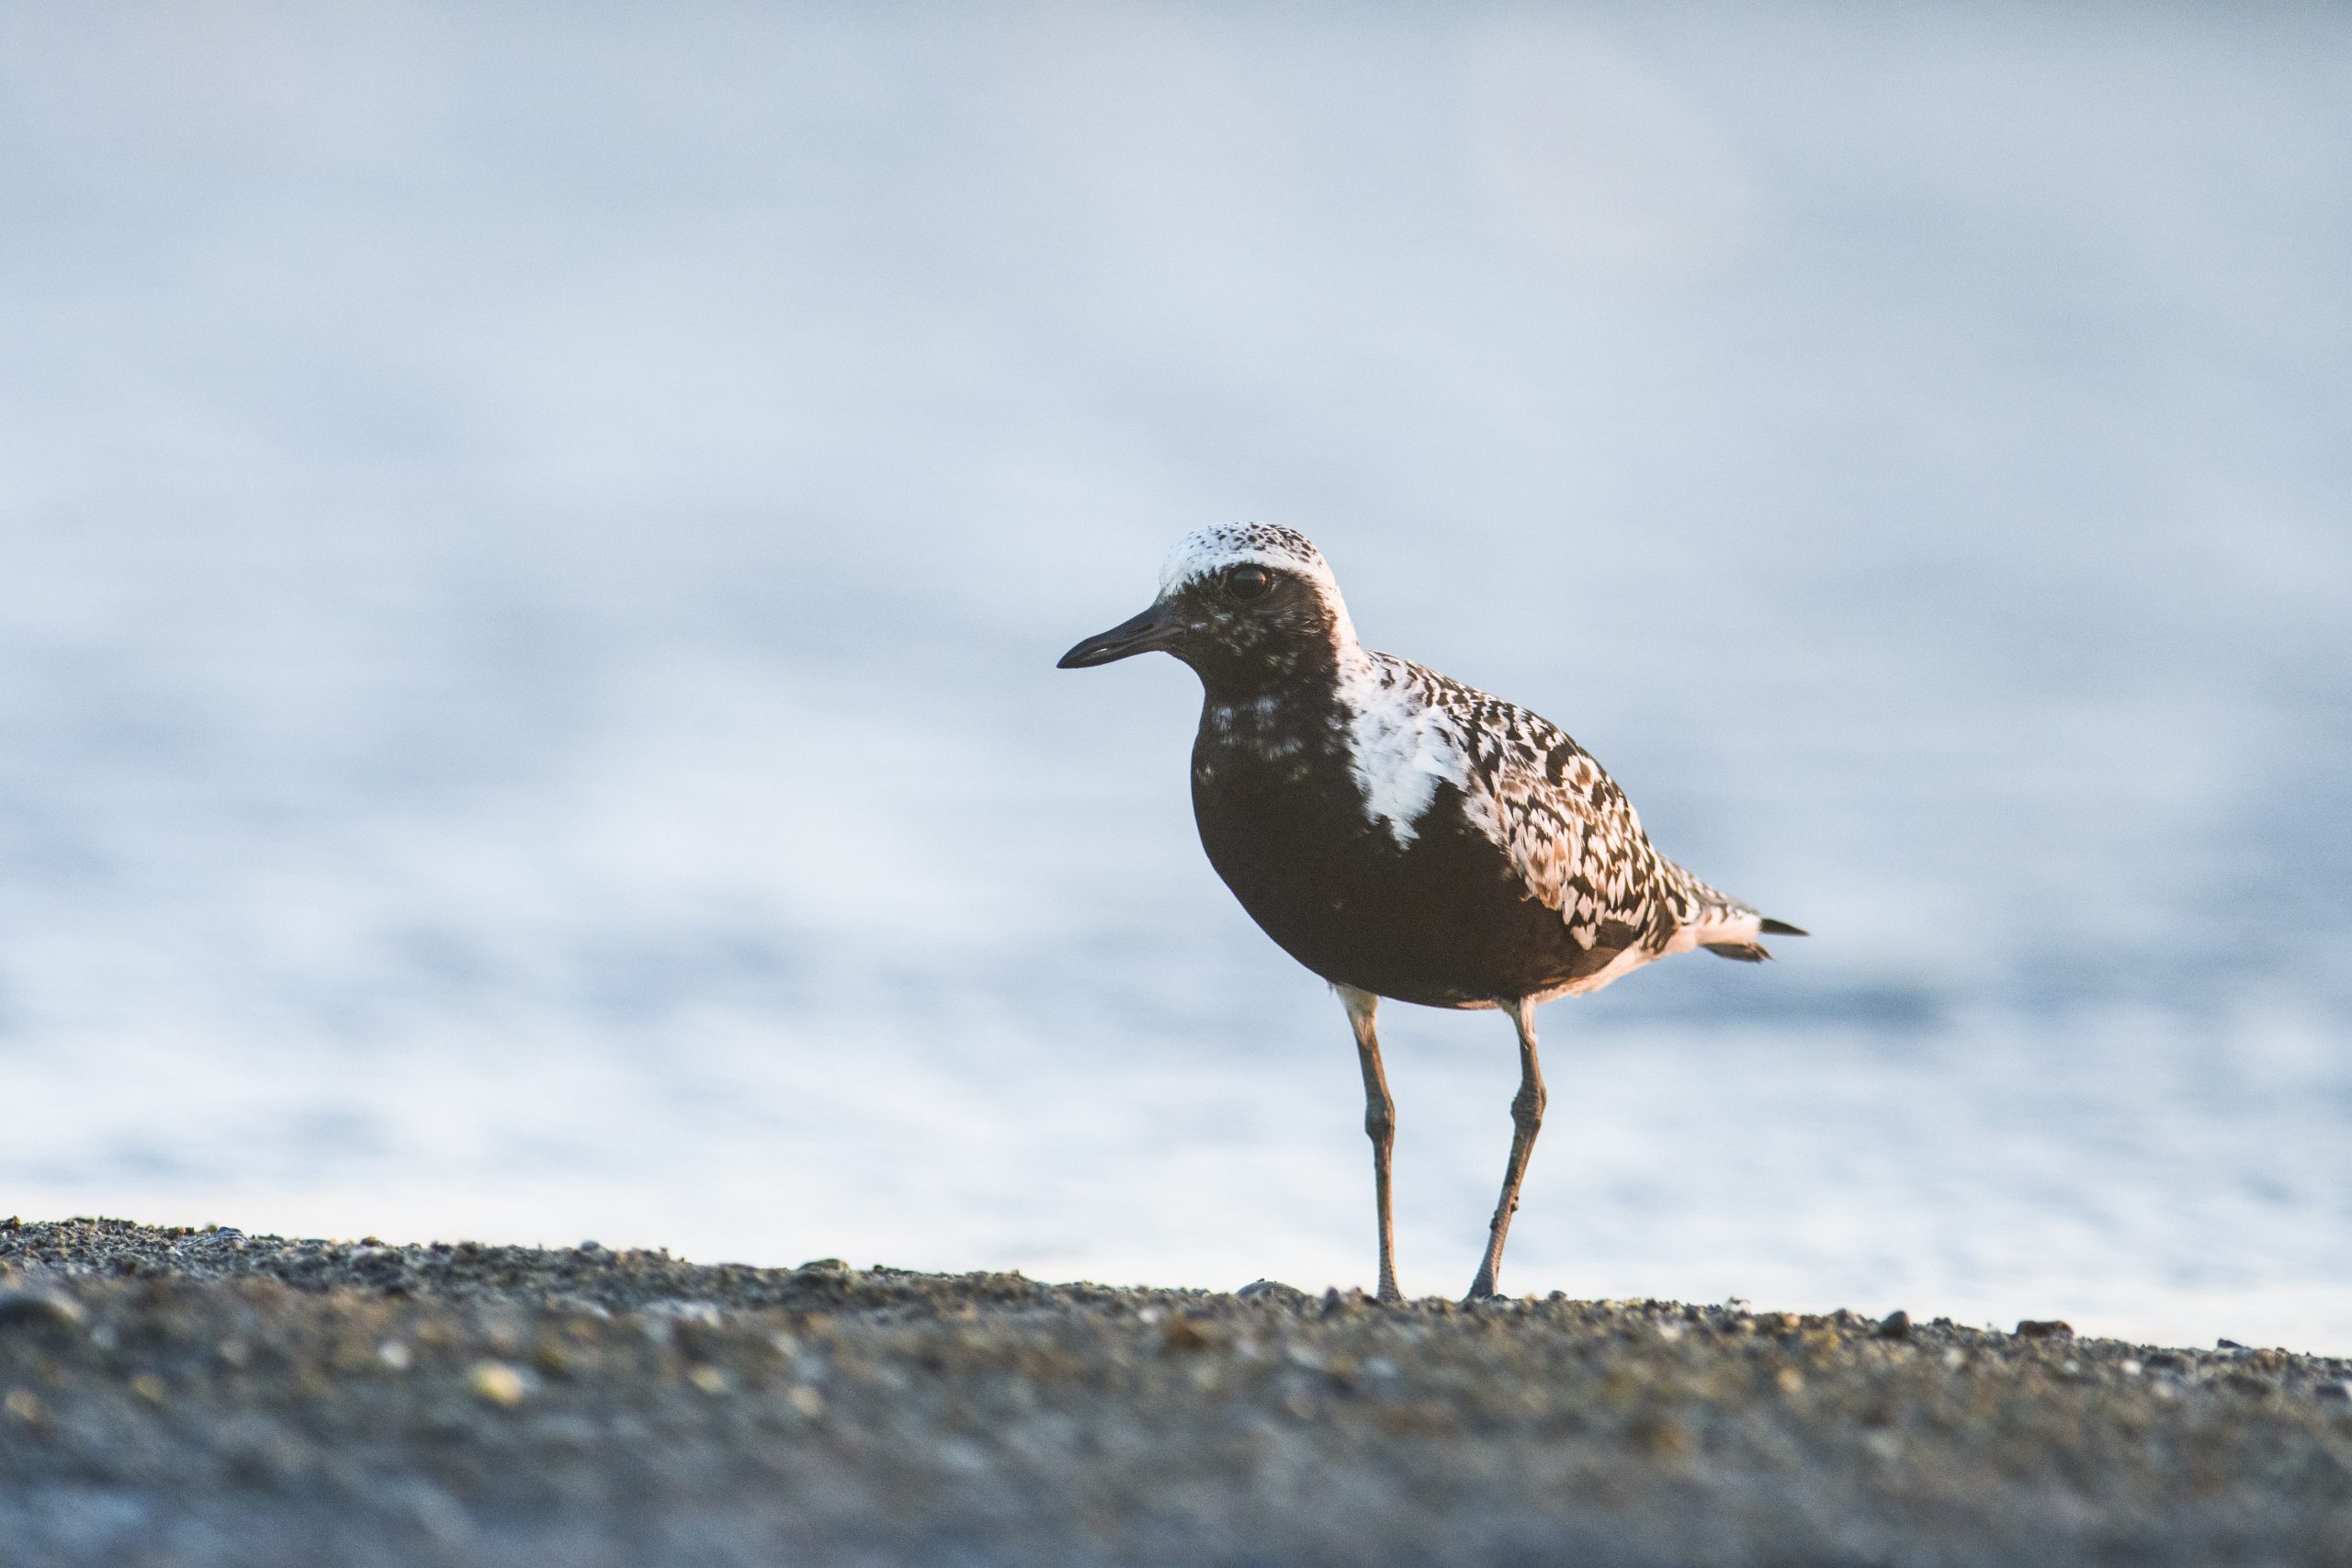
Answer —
1401 834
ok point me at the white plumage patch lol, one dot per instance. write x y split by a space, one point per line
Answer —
1399 749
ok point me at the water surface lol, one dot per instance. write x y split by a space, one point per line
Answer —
536 538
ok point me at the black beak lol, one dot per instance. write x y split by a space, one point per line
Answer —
1153 628
1136 636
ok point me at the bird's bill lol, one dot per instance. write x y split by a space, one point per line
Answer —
1155 628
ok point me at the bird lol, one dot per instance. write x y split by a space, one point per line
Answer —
1404 836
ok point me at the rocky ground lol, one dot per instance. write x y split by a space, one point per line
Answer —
171 1396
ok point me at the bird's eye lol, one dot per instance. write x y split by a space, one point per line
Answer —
1246 583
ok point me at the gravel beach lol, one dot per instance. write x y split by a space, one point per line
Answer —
172 1397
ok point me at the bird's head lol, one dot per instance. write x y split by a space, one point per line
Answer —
1241 603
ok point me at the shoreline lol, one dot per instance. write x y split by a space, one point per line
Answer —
176 1396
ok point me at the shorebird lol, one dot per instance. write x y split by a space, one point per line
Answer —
1403 835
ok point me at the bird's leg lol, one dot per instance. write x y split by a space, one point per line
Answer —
1526 1116
1379 1125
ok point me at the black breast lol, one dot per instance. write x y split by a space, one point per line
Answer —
1441 919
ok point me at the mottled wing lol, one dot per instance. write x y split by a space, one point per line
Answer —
1566 828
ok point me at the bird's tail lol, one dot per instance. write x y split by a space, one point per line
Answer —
1719 922
1735 944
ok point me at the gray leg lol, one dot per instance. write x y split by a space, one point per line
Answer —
1379 1125
1526 1116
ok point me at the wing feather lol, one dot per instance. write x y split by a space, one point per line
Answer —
1566 828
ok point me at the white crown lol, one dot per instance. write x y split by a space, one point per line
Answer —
1206 550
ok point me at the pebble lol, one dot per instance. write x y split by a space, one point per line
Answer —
24 1306
1273 1291
498 1383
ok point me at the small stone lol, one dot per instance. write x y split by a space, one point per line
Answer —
1660 1437
962 1456
149 1387
1895 1324
1184 1333
710 1379
498 1383
2044 1328
395 1355
27 1307
22 1404
1273 1291
1789 1380
704 1312
807 1401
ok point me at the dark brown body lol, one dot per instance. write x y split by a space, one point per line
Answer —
1441 919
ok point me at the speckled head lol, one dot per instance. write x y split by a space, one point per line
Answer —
1206 551
1246 604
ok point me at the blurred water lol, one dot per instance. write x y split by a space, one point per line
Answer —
535 538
